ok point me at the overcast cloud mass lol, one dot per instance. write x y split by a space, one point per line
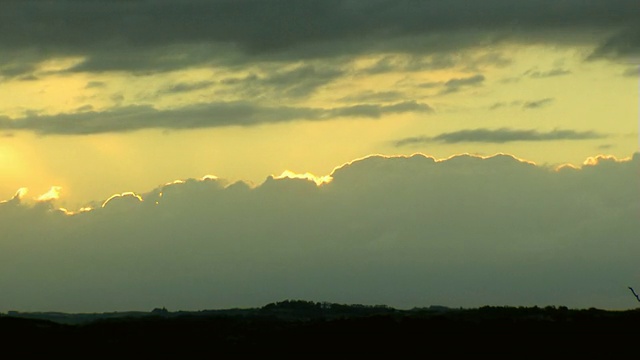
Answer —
405 231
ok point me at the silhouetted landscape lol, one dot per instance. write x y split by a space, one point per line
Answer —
307 327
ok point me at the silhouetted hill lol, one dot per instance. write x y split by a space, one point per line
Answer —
310 328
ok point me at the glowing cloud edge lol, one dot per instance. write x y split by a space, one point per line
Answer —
54 192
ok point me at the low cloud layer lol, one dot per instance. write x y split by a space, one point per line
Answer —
401 231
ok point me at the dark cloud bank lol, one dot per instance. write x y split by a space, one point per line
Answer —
163 35
405 231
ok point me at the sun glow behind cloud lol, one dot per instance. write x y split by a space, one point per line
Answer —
19 195
319 180
52 194
124 195
595 160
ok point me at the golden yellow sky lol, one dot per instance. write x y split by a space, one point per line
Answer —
105 98
590 96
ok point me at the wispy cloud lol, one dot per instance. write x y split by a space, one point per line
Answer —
207 115
537 104
502 104
524 105
455 85
374 96
499 136
185 87
632 72
296 82
95 84
536 74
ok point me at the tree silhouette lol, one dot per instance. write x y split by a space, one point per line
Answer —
634 293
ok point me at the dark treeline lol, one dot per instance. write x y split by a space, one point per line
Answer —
305 327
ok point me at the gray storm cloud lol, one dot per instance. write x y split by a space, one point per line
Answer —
402 231
165 35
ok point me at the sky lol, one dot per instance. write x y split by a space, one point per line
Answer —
211 154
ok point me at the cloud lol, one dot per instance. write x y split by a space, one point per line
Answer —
537 74
525 105
410 63
185 87
206 115
20 194
537 104
403 231
454 85
546 74
374 96
499 136
376 111
624 45
141 36
95 84
126 197
302 80
631 72
296 82
502 104
52 194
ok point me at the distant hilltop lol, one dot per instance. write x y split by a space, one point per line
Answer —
283 309
306 327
